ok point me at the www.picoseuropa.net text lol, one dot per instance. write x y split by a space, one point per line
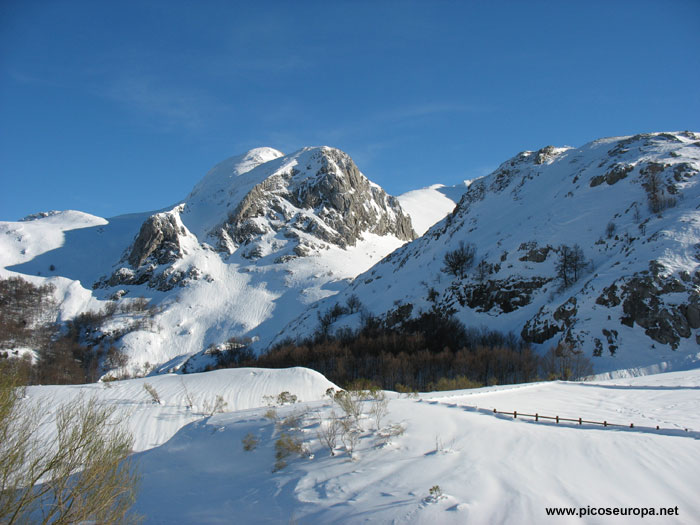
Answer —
588 510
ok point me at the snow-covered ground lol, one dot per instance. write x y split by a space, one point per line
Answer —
427 206
153 424
491 468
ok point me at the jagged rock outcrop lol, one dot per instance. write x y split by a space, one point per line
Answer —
648 301
507 295
158 238
272 205
533 252
322 195
148 260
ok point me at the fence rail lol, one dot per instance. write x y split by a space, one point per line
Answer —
537 417
579 420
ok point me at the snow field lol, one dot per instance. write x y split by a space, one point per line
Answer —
491 469
427 206
154 424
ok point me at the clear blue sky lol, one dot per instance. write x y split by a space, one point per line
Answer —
117 107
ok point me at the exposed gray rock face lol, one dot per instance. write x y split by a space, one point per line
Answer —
644 302
547 323
506 294
148 260
159 238
534 253
616 173
326 197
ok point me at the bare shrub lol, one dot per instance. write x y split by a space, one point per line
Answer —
350 402
379 406
250 442
435 493
189 400
285 398
216 407
388 433
353 304
454 383
349 435
410 393
287 445
610 230
271 414
83 475
294 420
155 397
281 399
328 431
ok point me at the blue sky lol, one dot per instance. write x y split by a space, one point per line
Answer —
118 107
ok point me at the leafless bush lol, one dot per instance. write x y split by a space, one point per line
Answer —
250 442
271 414
349 435
216 407
388 433
379 406
459 260
82 476
152 392
350 402
328 431
286 446
189 400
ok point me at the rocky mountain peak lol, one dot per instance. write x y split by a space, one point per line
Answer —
317 196
263 203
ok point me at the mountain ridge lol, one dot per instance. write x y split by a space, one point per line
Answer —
265 236
261 236
630 202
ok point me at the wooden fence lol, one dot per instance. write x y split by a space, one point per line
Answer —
580 421
537 417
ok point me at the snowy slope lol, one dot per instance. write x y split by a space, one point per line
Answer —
55 246
259 238
636 304
211 198
152 424
426 206
491 468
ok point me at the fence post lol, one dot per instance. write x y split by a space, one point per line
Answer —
579 421
515 414
605 423
557 419
537 417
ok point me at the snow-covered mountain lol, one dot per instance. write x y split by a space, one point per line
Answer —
261 237
265 238
624 215
263 206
